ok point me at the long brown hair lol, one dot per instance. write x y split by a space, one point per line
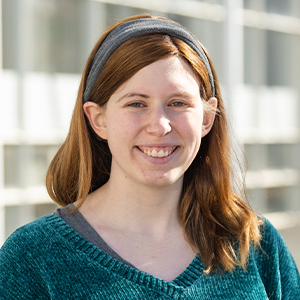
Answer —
215 219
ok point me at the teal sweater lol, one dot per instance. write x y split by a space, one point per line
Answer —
47 259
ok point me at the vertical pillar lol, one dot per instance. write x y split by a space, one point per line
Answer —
2 207
233 46
95 22
2 202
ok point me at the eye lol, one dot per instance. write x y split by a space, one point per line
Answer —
136 104
178 104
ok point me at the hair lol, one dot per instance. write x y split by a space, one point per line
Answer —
216 220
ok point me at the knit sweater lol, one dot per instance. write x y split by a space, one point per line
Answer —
47 259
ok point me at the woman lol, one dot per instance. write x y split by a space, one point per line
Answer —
144 181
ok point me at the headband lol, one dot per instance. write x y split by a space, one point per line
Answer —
133 28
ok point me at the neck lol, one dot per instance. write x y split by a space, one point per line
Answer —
150 211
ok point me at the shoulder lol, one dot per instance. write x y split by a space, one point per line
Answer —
20 275
32 233
275 263
272 244
268 231
29 239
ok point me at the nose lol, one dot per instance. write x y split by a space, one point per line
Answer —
158 123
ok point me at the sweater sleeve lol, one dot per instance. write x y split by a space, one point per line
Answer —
19 276
276 265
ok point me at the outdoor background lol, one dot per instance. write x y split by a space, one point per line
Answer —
254 44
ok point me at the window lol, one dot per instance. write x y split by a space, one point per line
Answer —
26 165
44 36
279 58
279 6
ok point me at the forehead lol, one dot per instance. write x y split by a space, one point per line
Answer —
165 75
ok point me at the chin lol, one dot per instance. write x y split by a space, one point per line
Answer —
162 181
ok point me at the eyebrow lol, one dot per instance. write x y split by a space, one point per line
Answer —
131 95
185 95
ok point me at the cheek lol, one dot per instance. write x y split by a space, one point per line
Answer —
120 127
192 127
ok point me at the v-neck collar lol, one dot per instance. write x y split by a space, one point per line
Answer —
184 280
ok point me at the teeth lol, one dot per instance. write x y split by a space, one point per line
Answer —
154 153
161 153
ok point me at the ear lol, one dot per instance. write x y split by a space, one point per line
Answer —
209 116
96 117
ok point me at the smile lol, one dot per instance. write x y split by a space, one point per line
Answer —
158 152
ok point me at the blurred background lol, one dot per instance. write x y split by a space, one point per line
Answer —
254 44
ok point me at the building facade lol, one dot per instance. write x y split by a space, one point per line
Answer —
254 45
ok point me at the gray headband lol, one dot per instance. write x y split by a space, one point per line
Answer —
130 29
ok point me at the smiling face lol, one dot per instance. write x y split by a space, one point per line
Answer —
154 124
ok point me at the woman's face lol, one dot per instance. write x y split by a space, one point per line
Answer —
154 124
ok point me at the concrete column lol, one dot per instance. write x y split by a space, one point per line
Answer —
233 49
2 208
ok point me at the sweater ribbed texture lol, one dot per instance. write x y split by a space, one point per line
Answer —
47 259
